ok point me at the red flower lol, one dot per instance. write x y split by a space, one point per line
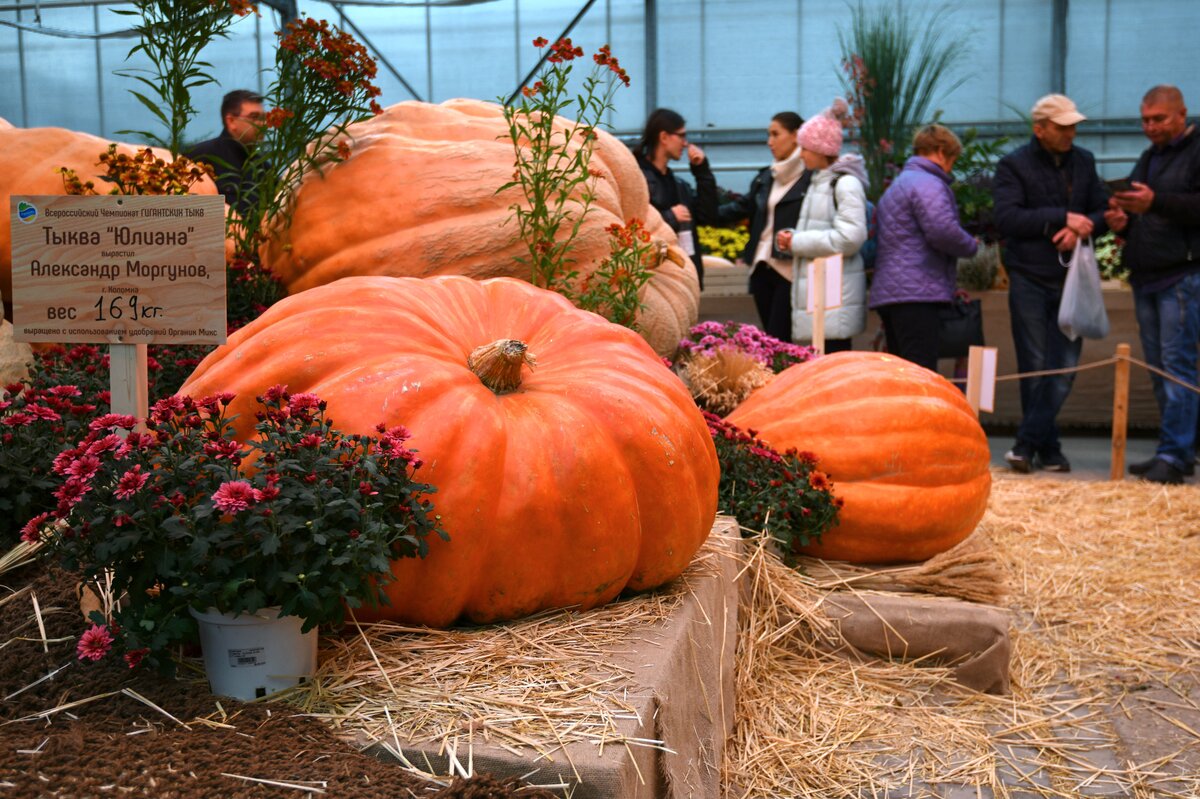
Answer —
277 116
540 42
134 658
33 528
235 496
131 482
95 643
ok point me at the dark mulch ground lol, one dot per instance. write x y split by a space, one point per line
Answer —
118 746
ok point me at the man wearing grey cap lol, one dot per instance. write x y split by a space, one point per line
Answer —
1047 197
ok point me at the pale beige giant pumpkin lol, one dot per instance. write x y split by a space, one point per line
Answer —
417 197
29 162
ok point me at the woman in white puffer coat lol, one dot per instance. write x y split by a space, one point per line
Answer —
833 220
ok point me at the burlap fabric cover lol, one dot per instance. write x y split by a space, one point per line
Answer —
971 639
682 689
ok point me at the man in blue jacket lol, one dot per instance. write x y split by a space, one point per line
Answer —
1160 217
1047 197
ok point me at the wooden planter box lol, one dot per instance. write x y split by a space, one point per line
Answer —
1090 404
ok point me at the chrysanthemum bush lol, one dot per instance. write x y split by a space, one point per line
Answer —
781 493
724 242
182 516
707 338
39 416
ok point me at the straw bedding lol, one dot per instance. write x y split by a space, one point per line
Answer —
1103 584
1102 581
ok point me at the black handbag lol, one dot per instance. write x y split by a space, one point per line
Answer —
960 327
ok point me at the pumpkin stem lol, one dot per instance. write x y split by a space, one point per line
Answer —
498 365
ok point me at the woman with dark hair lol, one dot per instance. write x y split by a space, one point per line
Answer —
664 139
772 204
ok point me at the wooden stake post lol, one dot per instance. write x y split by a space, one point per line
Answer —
1120 412
129 387
817 275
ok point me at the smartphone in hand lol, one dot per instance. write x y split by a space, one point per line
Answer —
1119 184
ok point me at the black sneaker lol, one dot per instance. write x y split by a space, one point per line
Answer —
1163 472
1020 458
1055 461
1142 467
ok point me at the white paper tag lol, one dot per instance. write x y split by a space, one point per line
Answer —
981 378
685 241
833 282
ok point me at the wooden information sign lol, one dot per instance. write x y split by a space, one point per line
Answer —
109 269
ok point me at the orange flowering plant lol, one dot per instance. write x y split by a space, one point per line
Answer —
614 289
324 81
551 164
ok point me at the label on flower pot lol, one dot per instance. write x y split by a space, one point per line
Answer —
247 657
116 269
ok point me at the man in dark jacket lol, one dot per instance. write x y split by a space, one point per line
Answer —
1160 217
1047 197
664 140
242 118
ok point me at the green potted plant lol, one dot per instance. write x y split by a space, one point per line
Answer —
184 521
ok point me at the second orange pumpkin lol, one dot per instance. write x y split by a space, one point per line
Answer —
902 445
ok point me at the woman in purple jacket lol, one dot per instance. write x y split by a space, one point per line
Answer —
920 242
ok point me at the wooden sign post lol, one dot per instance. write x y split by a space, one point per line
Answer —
824 294
816 275
1120 423
120 270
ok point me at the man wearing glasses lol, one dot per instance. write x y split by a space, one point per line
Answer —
664 140
242 117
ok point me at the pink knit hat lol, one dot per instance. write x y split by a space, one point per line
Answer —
823 133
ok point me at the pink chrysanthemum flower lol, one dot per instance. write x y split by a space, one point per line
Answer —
235 496
131 482
95 643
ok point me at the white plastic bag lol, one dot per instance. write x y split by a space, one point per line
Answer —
1081 311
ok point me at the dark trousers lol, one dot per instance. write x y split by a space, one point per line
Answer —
772 294
1040 345
912 331
837 345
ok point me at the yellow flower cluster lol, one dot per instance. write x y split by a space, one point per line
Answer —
724 242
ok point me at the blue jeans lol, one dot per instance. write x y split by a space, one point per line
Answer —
1040 345
1169 324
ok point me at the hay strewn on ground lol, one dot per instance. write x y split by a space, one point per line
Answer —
1103 582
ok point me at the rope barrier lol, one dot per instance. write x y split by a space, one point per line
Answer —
1090 365
1121 360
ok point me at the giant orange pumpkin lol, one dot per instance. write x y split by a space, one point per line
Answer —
417 197
901 443
29 162
583 472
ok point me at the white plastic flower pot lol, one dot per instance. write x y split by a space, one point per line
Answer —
253 655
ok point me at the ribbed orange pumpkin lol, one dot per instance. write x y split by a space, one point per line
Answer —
595 475
29 162
901 443
417 197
